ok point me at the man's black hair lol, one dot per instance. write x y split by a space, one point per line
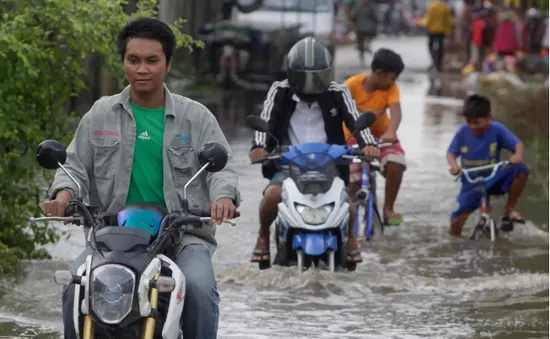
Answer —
148 28
476 106
387 61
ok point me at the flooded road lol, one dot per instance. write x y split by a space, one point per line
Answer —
415 282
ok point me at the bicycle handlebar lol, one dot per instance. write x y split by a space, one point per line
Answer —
495 167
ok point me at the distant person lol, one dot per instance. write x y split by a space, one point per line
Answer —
365 18
479 142
464 30
377 92
438 24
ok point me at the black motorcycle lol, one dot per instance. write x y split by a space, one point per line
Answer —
129 286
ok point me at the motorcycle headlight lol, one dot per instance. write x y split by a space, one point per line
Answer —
112 292
314 216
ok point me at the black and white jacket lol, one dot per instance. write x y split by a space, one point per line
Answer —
337 106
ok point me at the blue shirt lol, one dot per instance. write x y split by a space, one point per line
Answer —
483 150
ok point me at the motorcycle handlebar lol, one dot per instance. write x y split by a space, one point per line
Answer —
268 158
65 219
197 216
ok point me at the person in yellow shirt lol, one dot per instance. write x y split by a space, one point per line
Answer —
376 92
438 22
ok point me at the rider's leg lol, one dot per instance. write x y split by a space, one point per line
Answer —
511 180
468 200
67 298
268 213
392 160
517 186
354 179
457 223
200 311
354 255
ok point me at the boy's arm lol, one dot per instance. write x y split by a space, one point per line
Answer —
454 149
350 113
395 113
509 141
451 159
518 153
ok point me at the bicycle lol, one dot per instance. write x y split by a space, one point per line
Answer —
366 207
486 223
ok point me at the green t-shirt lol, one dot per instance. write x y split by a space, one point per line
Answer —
147 180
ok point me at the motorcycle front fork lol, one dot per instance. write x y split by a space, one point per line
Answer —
148 325
88 330
150 322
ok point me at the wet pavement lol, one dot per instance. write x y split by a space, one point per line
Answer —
415 282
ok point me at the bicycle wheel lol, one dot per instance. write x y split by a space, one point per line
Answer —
360 220
377 224
373 186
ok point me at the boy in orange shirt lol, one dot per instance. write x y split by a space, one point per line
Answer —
376 92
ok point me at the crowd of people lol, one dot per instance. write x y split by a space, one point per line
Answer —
482 35
488 36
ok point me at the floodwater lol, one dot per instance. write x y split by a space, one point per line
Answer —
415 282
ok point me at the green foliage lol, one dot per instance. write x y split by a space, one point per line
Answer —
540 4
42 44
525 112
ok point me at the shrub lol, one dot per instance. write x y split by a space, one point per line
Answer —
525 112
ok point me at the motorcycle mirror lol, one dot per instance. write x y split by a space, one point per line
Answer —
364 121
257 123
50 154
248 6
214 155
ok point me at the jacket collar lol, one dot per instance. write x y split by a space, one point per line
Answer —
123 99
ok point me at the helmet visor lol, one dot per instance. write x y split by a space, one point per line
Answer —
309 82
143 219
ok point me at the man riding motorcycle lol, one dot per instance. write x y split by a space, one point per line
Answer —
139 146
306 107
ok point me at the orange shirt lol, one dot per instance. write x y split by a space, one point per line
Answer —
377 101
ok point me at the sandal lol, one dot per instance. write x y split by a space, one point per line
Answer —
393 219
261 251
354 254
508 223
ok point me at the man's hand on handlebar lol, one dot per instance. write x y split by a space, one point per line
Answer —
257 154
57 207
222 210
371 151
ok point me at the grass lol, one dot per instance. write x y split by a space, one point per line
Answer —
525 112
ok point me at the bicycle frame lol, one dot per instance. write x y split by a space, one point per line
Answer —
370 208
485 219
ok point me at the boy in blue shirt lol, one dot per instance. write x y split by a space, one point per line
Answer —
478 142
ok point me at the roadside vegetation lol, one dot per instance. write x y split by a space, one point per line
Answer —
525 112
42 45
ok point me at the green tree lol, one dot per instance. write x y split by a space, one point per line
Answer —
42 45
541 4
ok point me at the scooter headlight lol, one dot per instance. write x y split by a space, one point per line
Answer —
314 216
112 292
